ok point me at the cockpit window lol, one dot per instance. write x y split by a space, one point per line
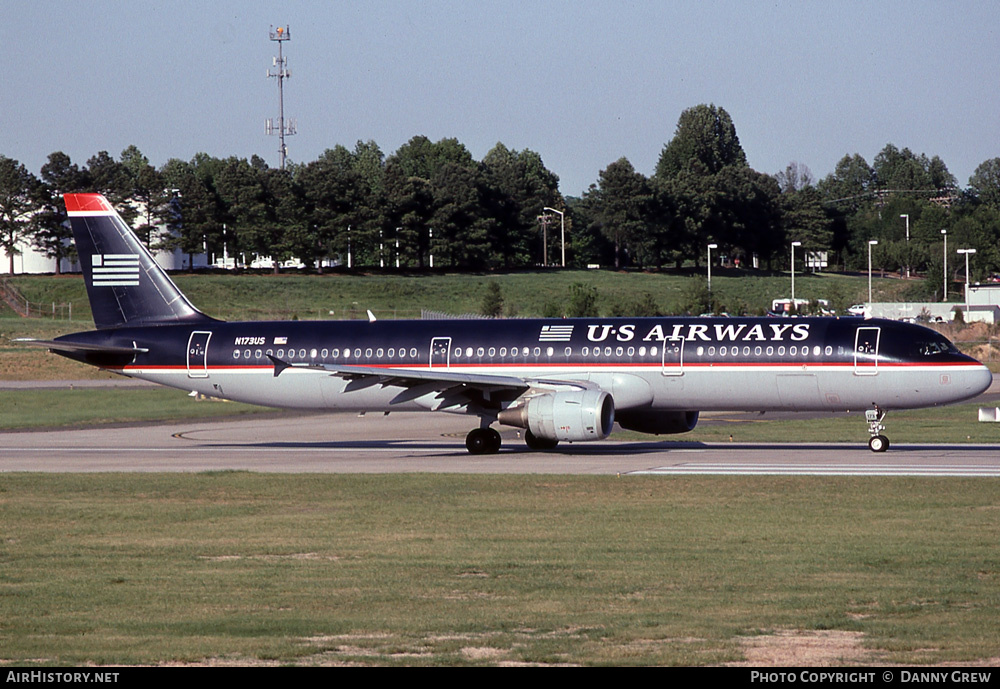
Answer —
934 347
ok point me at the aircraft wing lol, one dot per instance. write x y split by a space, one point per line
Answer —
450 385
405 377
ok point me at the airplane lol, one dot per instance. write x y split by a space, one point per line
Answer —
557 379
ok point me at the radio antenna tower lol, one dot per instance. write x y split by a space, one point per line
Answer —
281 72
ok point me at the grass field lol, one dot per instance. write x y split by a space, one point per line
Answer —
263 296
27 409
428 570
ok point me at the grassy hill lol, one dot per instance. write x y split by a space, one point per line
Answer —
526 294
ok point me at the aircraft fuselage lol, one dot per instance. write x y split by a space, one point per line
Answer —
678 364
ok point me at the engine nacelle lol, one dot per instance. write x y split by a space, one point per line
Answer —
575 415
658 422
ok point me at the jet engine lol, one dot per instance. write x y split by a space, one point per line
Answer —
657 422
574 415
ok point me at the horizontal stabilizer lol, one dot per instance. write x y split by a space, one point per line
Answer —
62 346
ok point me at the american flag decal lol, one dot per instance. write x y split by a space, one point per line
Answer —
115 270
556 333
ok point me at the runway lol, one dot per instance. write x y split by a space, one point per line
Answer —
411 443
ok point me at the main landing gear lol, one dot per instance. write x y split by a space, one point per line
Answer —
486 441
483 441
877 442
535 443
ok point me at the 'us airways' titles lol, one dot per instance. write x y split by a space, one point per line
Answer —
706 332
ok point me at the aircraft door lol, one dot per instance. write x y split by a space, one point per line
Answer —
440 352
866 351
673 357
197 354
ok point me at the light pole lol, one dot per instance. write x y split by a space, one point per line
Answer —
794 244
871 243
966 252
562 218
906 216
710 247
945 295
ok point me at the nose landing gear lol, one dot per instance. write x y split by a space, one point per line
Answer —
877 442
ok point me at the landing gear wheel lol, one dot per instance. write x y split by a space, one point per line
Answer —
878 443
482 441
874 417
535 443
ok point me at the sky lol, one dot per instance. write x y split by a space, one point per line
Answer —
583 82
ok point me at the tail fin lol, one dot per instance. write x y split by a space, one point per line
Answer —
124 284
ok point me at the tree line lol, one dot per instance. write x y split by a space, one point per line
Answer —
435 199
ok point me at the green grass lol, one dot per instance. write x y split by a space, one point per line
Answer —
430 570
27 409
260 296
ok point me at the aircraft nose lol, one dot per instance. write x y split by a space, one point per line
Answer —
980 380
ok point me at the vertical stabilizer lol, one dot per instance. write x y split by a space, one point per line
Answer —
124 283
